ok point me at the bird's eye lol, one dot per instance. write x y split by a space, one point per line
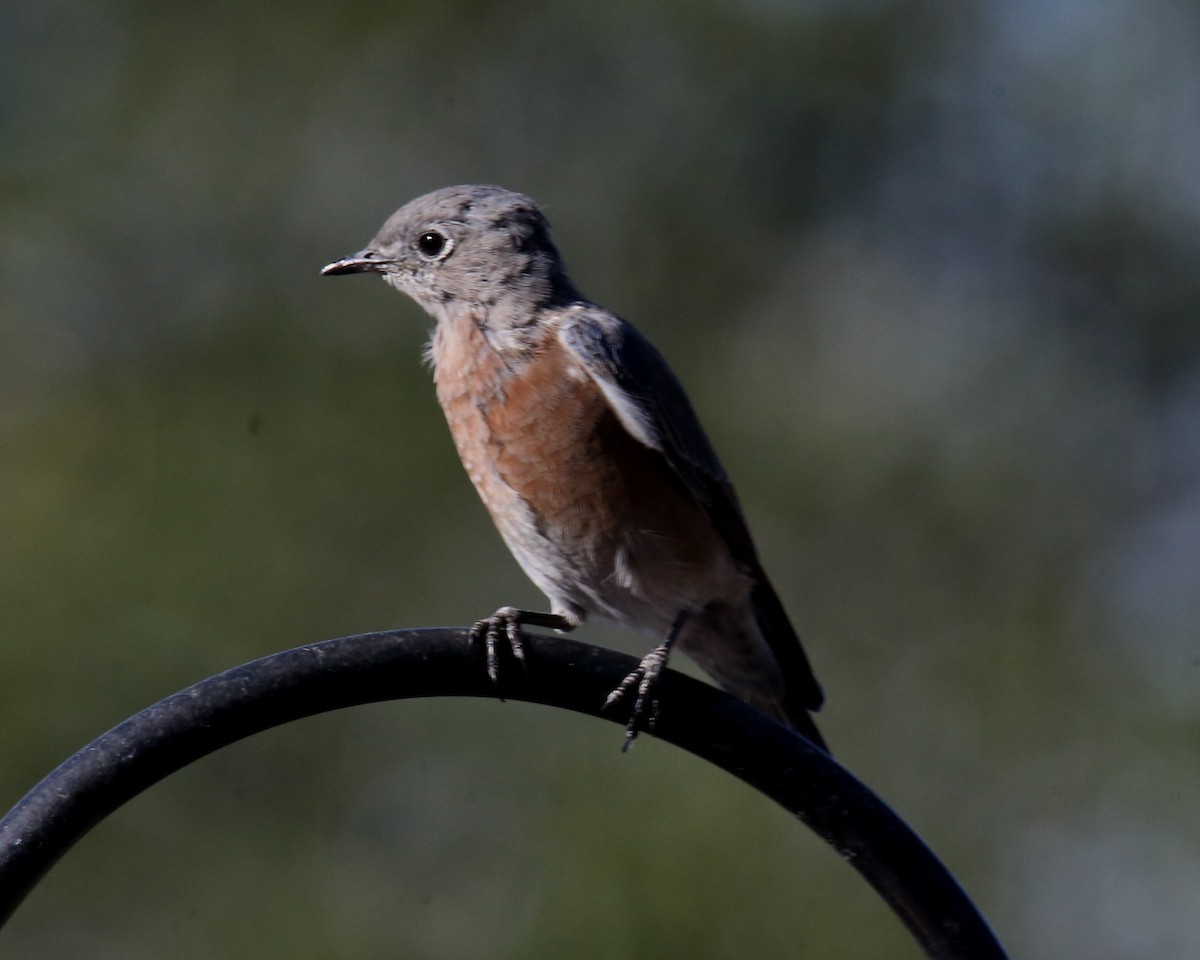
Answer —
433 245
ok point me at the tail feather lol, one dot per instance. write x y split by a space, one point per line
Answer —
802 694
801 722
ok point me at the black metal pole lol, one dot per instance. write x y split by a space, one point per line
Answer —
436 662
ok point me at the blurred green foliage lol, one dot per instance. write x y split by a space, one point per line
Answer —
929 273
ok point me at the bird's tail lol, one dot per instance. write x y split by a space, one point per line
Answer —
802 694
801 722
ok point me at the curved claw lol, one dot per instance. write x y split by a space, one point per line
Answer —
644 680
505 626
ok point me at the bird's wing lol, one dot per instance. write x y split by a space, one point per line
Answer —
651 404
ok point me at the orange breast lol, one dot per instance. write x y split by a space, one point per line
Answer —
527 430
574 495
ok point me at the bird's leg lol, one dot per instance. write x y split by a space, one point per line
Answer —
505 624
645 679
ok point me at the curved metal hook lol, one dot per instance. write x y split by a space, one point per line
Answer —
439 662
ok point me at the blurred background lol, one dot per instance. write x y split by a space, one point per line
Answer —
929 272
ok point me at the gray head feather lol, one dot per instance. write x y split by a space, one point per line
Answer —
468 247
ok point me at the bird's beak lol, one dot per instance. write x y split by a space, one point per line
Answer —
365 261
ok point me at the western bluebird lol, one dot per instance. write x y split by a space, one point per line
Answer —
587 454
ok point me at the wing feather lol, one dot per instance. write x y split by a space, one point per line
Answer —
651 404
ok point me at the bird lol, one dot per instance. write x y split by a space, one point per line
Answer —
588 455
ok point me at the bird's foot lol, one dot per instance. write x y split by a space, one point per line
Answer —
504 626
644 680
